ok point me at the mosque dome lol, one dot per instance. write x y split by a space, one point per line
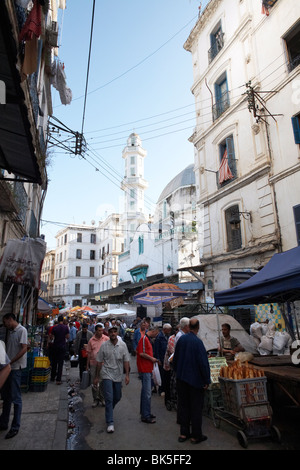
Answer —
184 178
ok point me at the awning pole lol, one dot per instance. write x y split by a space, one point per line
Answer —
219 332
1 308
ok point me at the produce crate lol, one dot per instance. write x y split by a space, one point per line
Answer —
215 364
238 393
41 362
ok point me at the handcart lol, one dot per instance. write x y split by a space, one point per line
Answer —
246 407
213 395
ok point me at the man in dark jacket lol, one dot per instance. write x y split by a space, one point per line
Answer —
193 377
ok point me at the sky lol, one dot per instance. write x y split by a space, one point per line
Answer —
139 80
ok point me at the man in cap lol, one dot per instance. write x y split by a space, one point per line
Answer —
112 359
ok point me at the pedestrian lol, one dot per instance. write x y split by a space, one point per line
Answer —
168 372
139 333
145 360
73 333
60 335
80 344
160 347
112 360
16 350
91 325
5 367
184 327
193 377
93 347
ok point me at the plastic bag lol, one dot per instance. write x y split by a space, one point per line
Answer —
156 375
86 380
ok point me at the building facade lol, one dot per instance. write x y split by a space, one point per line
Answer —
47 276
27 50
245 58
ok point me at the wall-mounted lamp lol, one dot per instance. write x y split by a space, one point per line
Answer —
235 218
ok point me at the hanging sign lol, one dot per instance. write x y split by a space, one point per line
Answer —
21 262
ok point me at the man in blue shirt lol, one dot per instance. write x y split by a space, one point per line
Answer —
193 377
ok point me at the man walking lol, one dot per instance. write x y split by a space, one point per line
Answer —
93 347
16 350
60 333
193 377
112 360
145 361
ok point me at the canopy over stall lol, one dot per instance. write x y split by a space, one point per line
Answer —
277 282
116 312
159 293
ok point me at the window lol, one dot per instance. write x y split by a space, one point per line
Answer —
65 239
227 170
79 237
92 254
91 289
297 222
77 289
296 128
221 97
141 245
233 228
93 238
292 43
78 254
92 271
78 271
216 42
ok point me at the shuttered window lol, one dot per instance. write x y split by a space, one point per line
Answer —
297 222
296 128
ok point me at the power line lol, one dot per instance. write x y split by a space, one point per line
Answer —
88 67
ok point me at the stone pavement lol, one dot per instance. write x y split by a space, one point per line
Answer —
44 422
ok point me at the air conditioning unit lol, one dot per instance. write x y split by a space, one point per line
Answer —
52 34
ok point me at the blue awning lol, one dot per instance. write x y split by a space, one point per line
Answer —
277 282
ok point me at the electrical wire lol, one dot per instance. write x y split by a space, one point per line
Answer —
88 67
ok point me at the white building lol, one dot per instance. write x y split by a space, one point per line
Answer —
110 243
134 186
76 263
246 148
170 241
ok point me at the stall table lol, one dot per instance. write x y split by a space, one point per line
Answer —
280 371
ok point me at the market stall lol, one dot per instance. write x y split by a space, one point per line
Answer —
277 282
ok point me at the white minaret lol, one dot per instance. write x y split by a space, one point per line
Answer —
134 186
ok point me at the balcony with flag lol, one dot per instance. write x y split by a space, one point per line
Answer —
227 170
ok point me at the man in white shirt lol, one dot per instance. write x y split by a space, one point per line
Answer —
16 350
112 359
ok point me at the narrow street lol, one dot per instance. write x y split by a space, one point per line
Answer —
89 431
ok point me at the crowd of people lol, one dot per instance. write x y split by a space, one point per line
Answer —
177 354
